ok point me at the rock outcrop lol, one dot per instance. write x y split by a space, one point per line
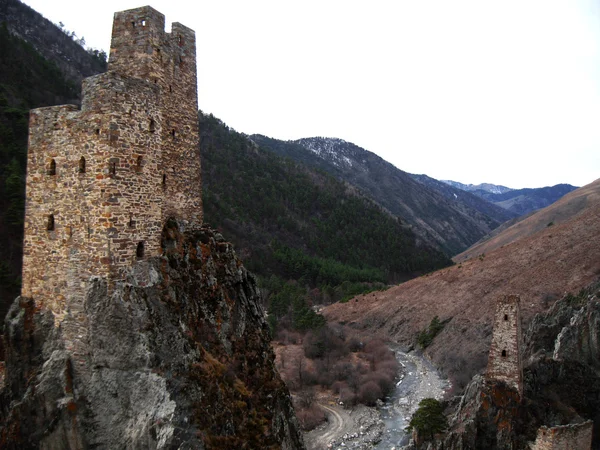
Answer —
561 378
177 356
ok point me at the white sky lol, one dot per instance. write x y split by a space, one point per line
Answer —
505 92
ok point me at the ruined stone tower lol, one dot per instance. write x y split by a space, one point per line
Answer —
103 180
504 361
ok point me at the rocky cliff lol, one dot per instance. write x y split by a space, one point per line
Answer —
176 357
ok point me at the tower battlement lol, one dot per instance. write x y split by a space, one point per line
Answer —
504 361
103 180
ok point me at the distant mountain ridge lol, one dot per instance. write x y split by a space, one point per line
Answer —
487 187
446 221
518 201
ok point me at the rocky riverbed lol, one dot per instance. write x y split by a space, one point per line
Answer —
382 427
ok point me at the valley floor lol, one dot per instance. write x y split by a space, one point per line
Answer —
380 428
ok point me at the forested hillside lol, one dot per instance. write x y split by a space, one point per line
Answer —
443 221
290 222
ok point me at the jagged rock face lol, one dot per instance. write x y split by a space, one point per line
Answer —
178 357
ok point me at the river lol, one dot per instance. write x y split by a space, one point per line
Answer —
419 380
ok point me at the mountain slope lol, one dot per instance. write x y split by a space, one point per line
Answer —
276 210
466 199
559 212
523 201
438 220
538 267
52 43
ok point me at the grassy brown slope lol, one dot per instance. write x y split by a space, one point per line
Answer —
561 211
540 268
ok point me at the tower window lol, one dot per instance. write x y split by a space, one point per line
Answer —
164 180
50 223
132 24
82 165
138 164
173 133
504 353
505 316
112 168
51 168
152 126
139 251
97 131
131 222
143 23
180 40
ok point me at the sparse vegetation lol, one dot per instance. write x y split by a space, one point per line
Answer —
350 370
425 337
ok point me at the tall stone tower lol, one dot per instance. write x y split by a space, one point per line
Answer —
103 180
504 361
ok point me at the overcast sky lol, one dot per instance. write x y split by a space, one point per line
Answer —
504 92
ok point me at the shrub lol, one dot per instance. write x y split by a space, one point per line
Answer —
369 392
347 396
425 337
310 417
428 419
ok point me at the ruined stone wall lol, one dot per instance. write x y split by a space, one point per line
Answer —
567 437
504 362
103 180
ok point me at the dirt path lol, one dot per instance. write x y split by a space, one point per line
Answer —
357 428
335 424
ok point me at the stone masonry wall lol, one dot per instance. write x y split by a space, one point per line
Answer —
567 437
102 181
504 362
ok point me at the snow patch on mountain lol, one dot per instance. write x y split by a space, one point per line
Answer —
488 187
331 149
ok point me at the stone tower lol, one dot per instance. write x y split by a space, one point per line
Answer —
103 180
504 361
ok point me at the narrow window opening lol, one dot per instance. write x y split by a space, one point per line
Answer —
505 316
173 133
170 88
164 180
152 126
143 23
132 24
51 168
504 353
139 252
50 223
97 131
82 165
139 163
112 168
131 222
180 40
